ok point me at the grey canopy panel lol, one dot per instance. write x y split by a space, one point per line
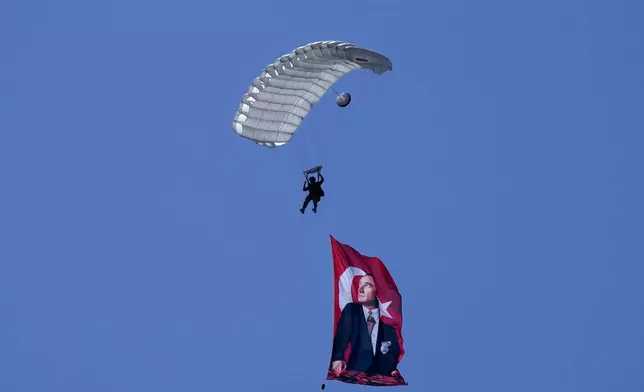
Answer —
285 92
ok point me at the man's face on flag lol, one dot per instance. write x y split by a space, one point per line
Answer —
366 289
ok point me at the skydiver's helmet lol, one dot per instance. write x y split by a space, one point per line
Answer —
311 180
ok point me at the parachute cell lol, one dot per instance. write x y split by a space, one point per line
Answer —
285 92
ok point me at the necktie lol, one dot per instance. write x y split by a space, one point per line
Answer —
370 322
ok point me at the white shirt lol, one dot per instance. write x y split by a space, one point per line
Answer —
375 313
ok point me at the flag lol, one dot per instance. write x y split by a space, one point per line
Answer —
367 326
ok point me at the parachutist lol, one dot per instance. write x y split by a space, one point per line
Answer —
315 192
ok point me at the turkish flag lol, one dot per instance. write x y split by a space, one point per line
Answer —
353 274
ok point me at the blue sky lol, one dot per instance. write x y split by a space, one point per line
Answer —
496 171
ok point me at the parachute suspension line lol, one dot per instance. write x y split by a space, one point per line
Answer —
336 93
306 147
306 151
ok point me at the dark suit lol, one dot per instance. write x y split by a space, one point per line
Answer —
352 329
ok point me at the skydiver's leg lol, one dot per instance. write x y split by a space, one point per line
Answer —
315 206
306 203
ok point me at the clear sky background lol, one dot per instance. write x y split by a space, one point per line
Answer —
497 171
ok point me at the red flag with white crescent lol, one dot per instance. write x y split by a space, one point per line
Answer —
367 333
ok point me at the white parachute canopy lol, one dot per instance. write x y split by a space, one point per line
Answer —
286 91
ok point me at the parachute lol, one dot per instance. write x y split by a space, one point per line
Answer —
285 92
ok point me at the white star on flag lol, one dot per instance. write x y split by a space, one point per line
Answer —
383 309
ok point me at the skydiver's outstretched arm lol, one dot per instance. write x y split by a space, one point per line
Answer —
304 187
321 179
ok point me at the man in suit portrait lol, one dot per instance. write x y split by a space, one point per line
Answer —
374 344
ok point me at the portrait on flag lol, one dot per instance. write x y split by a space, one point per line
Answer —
367 338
